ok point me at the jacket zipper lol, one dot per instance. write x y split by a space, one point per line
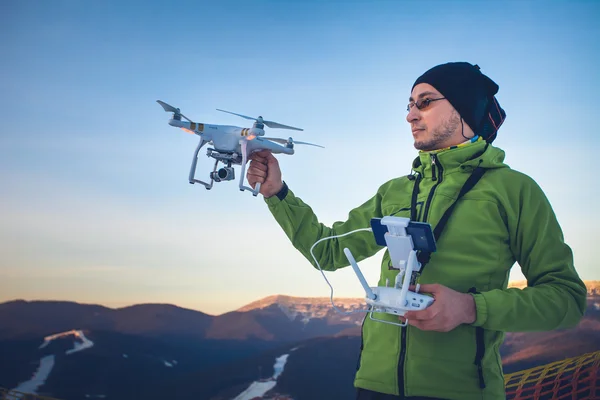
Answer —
362 343
404 329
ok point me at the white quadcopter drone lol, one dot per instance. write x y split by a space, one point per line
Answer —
232 145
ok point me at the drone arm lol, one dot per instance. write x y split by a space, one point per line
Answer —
255 191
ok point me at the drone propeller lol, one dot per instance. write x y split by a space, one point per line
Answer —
170 108
290 141
260 120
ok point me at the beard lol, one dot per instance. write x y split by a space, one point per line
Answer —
440 134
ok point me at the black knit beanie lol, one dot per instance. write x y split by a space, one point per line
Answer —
471 93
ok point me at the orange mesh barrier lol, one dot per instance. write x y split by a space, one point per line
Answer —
573 378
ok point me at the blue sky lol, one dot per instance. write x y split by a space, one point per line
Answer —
95 204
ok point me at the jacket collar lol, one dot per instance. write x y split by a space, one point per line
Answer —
461 157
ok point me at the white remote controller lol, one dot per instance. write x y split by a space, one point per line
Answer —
388 300
398 299
392 300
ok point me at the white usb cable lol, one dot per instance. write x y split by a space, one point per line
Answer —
323 273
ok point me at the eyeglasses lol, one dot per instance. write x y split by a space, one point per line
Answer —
422 104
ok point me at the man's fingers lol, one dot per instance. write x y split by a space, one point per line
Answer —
418 315
434 324
257 172
264 157
257 166
423 315
254 179
264 152
271 160
422 325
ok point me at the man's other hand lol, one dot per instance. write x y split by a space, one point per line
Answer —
450 309
264 169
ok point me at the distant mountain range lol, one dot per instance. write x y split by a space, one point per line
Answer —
275 318
156 351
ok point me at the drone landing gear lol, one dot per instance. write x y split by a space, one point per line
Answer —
192 178
256 190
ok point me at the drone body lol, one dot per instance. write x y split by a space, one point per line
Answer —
227 138
233 145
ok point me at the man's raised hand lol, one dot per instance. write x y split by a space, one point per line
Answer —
264 169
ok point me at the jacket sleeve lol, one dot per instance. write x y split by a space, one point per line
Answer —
555 296
302 227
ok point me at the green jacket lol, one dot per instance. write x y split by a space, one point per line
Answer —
505 218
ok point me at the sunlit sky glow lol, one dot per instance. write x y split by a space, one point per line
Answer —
95 204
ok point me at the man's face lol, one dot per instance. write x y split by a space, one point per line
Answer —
436 124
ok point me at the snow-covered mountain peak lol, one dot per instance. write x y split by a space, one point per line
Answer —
306 307
302 302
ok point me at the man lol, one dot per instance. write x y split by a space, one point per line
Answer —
451 349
